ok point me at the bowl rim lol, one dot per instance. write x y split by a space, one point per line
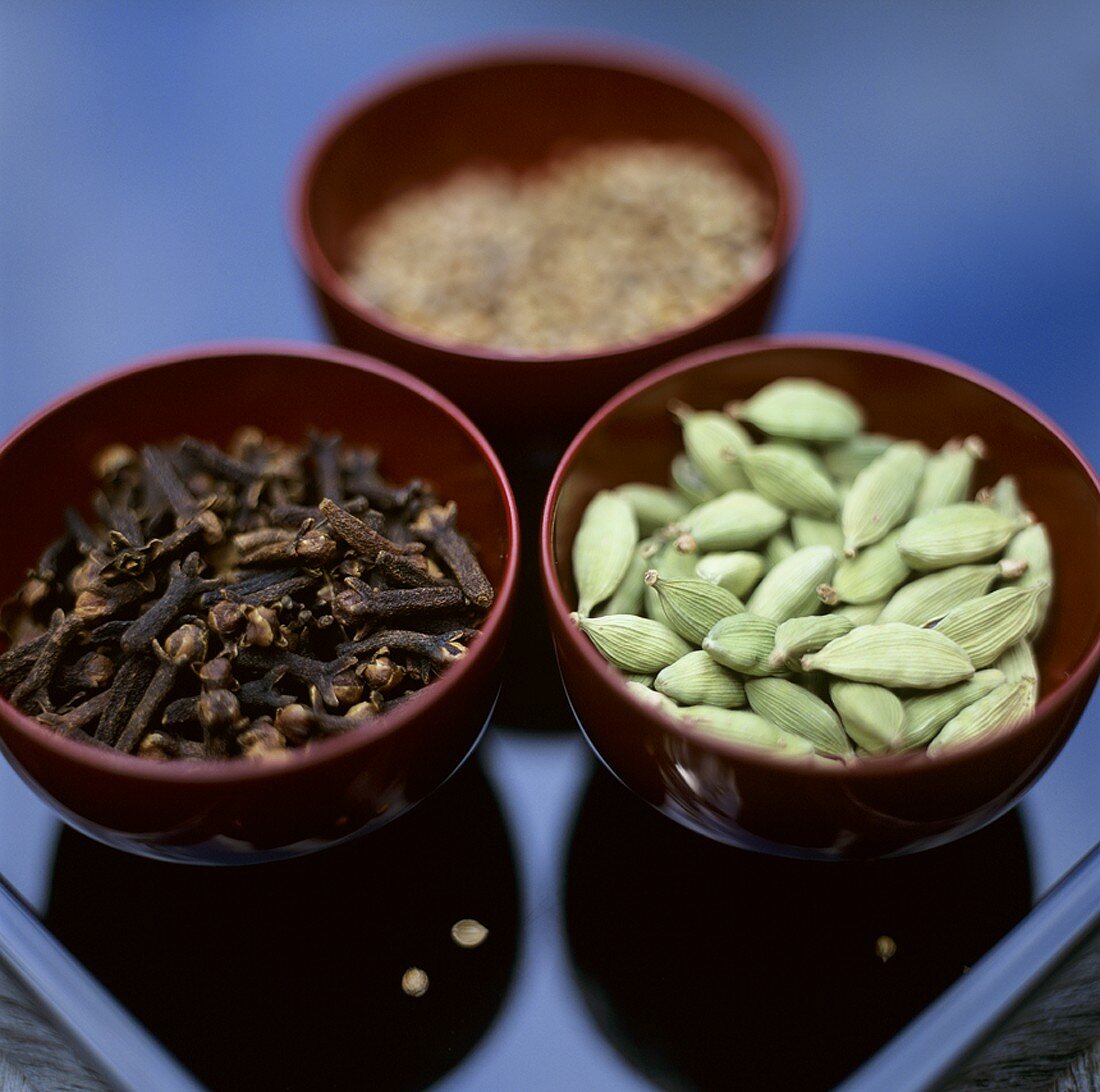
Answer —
623 55
892 766
430 700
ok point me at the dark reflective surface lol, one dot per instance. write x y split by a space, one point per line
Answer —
709 967
288 975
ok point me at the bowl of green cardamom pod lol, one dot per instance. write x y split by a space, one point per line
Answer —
824 597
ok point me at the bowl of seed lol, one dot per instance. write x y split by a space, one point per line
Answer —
824 597
255 599
531 227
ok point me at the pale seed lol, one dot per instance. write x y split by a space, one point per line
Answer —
414 982
468 933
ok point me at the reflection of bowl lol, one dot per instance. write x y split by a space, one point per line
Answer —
867 807
699 961
518 107
240 809
294 981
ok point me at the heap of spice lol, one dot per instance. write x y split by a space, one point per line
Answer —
838 584
606 246
242 602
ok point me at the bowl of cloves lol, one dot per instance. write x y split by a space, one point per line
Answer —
531 226
826 597
255 599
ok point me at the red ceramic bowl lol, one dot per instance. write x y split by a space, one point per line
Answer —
518 106
877 806
239 810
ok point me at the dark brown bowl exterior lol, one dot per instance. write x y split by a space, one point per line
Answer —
239 810
519 106
822 809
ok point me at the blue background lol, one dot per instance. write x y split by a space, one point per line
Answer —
951 160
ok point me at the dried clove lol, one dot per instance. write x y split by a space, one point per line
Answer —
437 526
300 593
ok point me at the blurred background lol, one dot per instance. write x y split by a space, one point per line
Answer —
950 155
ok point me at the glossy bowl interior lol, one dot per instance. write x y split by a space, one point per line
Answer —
241 810
519 106
870 807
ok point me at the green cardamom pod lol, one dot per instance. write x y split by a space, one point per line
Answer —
927 714
692 606
791 478
790 589
1018 662
696 679
778 548
811 531
674 560
741 726
893 654
637 645
685 478
872 715
801 409
797 636
713 442
794 709
654 505
860 614
736 520
641 680
629 596
602 549
956 534
948 473
1004 496
738 572
987 626
882 495
1032 546
844 461
930 597
743 642
648 696
873 573
1001 708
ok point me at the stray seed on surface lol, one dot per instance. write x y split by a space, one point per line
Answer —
414 982
885 948
468 933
